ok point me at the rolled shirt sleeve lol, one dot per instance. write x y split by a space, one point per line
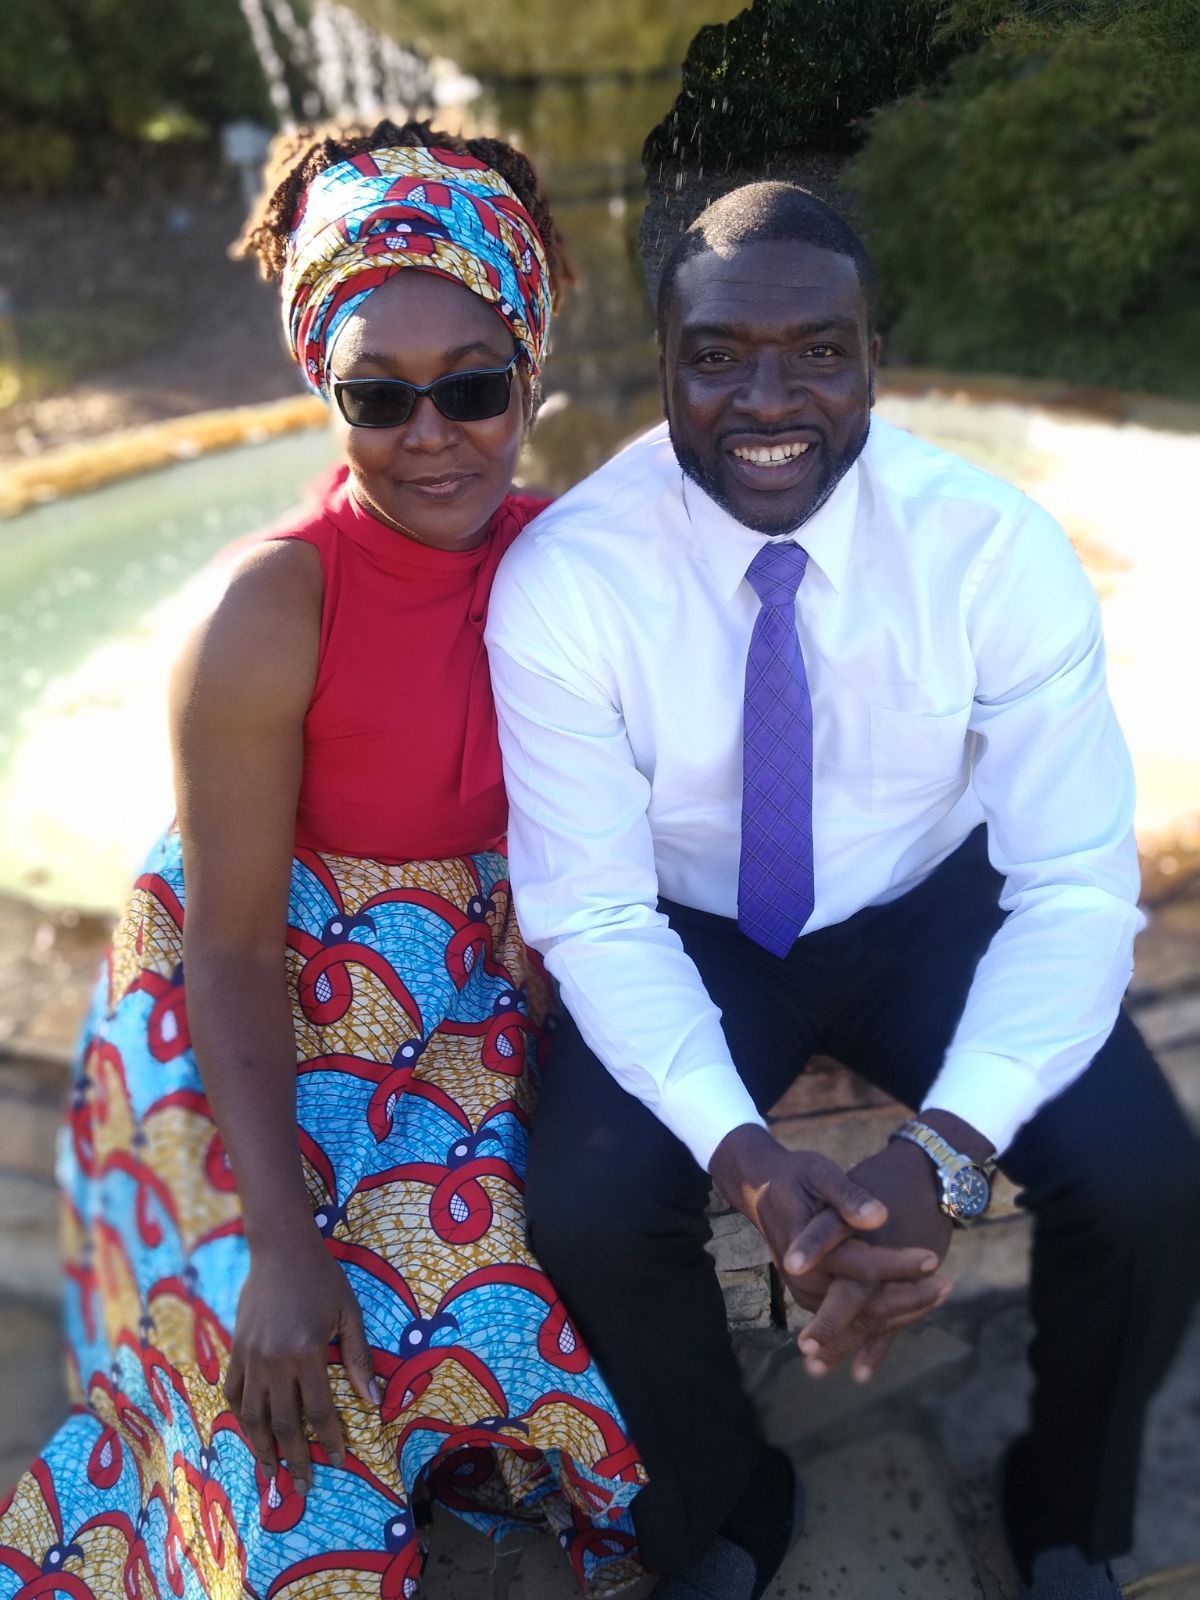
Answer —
1054 779
582 861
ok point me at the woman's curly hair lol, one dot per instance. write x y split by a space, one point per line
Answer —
298 156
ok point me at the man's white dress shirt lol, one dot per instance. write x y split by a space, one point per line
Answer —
956 664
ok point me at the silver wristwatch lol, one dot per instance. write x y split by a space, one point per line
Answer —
966 1186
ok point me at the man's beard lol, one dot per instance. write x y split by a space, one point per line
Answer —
709 480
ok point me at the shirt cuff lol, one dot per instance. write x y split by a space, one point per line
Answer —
995 1094
704 1106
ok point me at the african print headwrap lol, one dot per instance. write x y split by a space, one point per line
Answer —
367 218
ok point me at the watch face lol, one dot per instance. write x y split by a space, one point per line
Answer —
969 1192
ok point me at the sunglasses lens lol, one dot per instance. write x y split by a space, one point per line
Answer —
383 404
389 402
472 396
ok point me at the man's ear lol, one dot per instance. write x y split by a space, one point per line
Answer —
874 350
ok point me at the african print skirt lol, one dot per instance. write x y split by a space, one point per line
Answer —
419 1020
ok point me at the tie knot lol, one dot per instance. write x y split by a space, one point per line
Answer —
776 572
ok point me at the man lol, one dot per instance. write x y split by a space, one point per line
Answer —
809 749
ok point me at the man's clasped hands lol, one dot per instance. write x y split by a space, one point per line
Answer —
858 1249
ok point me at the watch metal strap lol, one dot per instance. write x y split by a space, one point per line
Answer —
942 1154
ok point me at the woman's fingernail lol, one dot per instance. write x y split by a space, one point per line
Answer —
337 1459
817 1369
862 1374
809 1346
373 1391
930 1264
796 1264
302 1486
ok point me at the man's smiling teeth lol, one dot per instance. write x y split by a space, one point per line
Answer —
768 457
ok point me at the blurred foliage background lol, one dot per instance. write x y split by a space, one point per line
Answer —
1028 171
1038 210
79 79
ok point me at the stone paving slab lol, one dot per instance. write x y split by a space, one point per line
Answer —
465 1565
1181 1583
974 1419
881 1526
461 1562
798 1411
990 1259
543 1574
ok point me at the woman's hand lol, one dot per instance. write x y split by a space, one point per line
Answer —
295 1303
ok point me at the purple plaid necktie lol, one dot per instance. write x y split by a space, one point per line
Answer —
775 877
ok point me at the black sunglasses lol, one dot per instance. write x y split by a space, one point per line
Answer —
459 396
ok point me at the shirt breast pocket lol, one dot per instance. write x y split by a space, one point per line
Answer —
919 762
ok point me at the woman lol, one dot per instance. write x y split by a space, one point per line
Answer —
299 1295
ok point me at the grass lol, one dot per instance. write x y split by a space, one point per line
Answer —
47 350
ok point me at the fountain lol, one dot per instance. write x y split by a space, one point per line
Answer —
94 590
333 63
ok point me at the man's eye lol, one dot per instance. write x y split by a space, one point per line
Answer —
712 358
822 350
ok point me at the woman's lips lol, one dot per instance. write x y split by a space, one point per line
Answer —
445 487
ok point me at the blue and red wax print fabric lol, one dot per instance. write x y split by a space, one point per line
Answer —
419 1018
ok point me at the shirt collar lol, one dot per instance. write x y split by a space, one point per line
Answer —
729 546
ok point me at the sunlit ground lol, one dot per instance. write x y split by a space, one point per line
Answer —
95 594
1128 497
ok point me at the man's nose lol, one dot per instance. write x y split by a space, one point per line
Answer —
771 393
427 428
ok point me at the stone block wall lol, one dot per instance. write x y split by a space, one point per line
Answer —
48 965
31 1098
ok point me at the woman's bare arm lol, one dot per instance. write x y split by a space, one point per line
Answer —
238 700
239 695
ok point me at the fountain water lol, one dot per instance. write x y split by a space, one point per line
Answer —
333 63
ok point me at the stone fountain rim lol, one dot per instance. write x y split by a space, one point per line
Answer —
78 468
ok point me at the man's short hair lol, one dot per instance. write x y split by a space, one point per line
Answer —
768 213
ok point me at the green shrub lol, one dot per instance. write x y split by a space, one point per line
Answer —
81 72
1041 213
35 160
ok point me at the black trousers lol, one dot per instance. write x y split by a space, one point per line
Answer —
1109 1170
